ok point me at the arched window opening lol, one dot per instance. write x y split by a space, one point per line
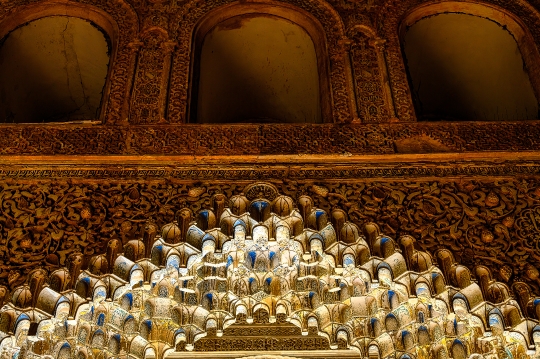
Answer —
259 67
464 66
53 69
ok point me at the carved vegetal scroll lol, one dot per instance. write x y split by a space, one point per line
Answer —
151 78
373 97
268 273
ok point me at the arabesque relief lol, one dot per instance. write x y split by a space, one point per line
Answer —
262 271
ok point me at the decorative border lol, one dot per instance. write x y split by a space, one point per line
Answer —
254 171
206 140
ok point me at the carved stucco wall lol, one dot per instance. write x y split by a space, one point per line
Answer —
474 193
482 221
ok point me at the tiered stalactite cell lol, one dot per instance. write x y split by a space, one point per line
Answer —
266 262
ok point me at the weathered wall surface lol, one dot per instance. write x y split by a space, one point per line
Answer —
53 69
258 69
465 67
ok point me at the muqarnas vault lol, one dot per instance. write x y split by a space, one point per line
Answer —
267 274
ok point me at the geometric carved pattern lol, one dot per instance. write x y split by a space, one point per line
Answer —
269 139
259 274
154 59
272 171
371 99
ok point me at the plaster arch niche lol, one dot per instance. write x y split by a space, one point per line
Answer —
470 62
53 69
259 64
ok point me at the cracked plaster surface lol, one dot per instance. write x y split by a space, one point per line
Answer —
52 69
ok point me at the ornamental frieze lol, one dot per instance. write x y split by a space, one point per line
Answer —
412 138
488 222
308 170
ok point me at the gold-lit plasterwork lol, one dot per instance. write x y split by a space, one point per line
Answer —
151 75
262 271
490 222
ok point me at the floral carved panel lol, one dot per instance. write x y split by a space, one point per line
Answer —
489 222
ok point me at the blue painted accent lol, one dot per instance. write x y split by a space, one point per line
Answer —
348 260
403 336
494 319
129 296
148 324
208 237
311 294
319 213
253 256
272 254
101 319
384 240
21 318
268 281
86 280
135 267
204 214
239 222
65 345
259 207
251 280
229 261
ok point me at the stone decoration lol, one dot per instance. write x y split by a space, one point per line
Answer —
492 223
278 139
262 271
152 62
